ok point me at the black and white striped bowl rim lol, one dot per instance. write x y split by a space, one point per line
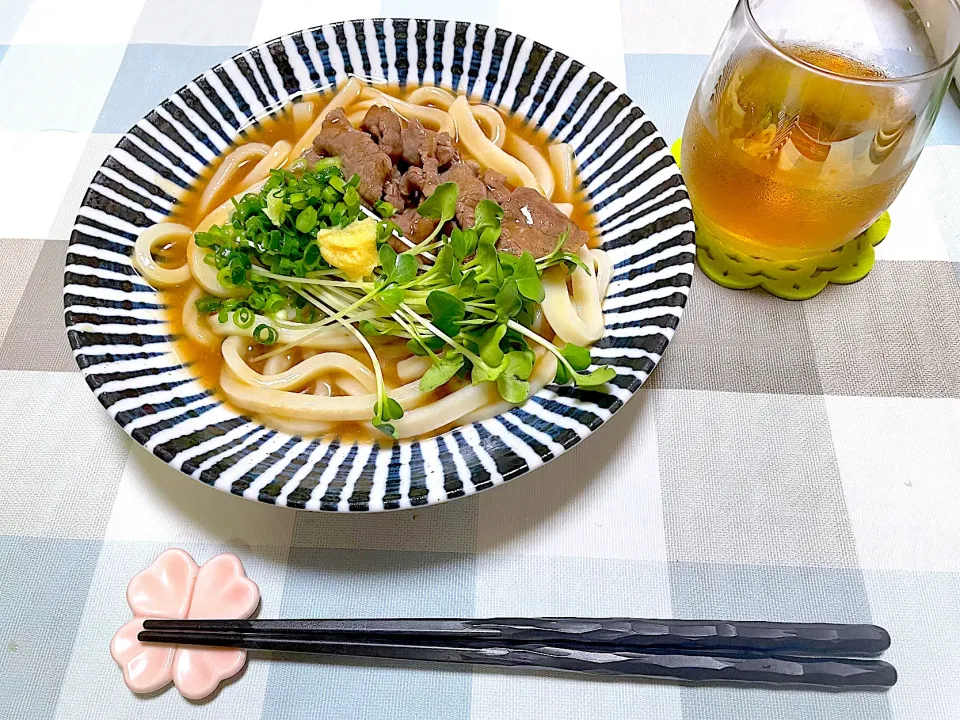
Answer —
122 342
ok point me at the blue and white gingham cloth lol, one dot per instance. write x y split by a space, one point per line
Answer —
786 461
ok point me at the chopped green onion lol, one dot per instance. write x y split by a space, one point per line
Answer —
384 209
207 304
265 334
274 304
243 317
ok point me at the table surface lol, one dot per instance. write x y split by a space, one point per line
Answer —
787 461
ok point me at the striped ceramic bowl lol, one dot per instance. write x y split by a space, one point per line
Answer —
116 322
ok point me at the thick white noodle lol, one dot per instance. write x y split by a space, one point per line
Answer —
491 122
312 407
227 171
206 275
299 375
363 105
539 323
333 338
485 152
565 208
349 385
347 95
274 365
413 368
561 160
447 410
428 95
576 319
302 116
431 117
160 234
603 266
300 428
195 325
543 372
275 158
531 157
356 117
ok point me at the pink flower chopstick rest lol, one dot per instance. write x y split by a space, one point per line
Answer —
174 588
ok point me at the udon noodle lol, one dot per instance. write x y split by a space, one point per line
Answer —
300 364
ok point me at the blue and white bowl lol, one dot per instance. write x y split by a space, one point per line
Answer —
117 326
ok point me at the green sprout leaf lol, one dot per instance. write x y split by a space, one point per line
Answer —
441 371
369 329
578 357
490 351
405 269
519 364
391 298
442 204
388 259
487 215
463 243
508 299
444 264
485 373
448 311
527 277
513 389
488 262
385 410
598 377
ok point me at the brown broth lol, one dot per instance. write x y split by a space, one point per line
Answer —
207 363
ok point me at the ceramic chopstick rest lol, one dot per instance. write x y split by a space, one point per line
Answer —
175 588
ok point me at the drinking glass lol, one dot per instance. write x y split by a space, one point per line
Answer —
810 117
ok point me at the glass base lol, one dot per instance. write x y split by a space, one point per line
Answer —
791 280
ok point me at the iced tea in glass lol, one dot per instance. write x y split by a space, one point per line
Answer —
811 116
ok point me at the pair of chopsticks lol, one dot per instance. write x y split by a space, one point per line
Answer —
825 655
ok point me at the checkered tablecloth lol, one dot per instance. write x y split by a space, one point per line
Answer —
786 461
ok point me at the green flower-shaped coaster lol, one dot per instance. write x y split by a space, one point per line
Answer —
791 280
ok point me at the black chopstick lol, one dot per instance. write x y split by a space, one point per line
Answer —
833 673
806 654
795 639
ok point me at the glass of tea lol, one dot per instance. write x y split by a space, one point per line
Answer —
810 117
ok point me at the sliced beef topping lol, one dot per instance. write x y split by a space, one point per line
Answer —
420 182
419 144
384 125
446 153
391 193
533 223
413 226
496 185
358 152
472 191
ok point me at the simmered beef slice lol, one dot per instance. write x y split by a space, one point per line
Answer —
358 152
472 191
418 183
419 144
533 223
496 185
391 193
384 125
413 226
